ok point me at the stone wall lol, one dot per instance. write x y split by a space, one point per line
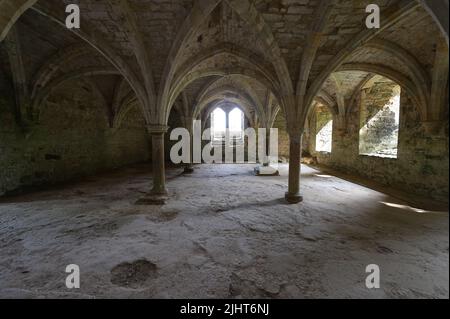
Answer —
422 164
379 109
283 136
71 139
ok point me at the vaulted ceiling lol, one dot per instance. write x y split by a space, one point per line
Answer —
264 54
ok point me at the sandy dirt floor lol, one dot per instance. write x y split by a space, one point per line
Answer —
224 234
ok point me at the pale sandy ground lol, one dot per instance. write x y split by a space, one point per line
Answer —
224 234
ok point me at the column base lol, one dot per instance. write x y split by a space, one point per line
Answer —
153 199
188 170
266 171
293 198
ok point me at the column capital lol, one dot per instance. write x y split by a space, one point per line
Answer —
296 135
157 129
294 130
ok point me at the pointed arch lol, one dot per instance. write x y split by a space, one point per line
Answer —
244 91
10 12
393 75
201 10
54 64
248 12
134 35
390 17
96 40
55 83
420 77
258 70
438 10
223 94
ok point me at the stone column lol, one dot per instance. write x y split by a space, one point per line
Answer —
159 193
265 169
158 162
293 195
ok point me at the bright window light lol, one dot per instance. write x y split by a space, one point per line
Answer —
324 138
236 123
380 130
219 124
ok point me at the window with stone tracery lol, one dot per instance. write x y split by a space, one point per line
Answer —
232 121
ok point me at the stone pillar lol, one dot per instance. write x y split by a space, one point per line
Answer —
293 195
158 163
265 169
159 193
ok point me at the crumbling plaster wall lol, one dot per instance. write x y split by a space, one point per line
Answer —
71 139
422 166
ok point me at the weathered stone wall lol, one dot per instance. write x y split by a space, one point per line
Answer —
283 136
72 139
378 107
422 165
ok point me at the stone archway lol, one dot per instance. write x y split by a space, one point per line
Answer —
10 11
439 11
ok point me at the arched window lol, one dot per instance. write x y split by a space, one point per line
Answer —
380 119
232 121
324 129
218 125
236 124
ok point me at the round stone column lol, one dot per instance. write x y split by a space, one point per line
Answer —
293 195
159 193
158 160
